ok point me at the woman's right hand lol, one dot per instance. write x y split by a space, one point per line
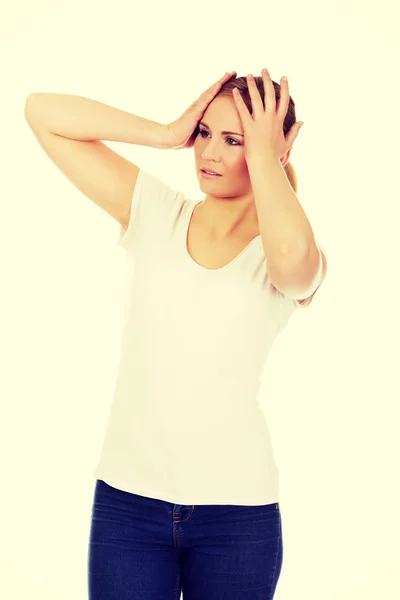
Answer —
180 132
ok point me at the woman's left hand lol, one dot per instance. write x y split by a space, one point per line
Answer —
263 129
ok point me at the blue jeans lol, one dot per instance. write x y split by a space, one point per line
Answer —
148 549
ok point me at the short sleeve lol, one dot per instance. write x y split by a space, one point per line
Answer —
151 198
303 303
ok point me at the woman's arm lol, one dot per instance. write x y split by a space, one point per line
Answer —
84 119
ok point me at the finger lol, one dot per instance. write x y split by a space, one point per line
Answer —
212 91
220 82
284 99
256 101
228 75
241 108
201 104
269 91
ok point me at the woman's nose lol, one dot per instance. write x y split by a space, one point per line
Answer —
211 151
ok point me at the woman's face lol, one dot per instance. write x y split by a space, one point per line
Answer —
222 152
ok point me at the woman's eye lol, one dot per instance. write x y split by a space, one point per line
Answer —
236 143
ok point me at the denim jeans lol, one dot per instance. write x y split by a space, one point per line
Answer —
144 548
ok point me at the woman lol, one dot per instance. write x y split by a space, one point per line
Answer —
186 494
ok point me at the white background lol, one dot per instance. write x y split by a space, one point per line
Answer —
331 383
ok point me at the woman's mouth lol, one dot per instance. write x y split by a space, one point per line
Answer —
209 175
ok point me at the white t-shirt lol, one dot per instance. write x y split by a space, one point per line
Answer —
185 424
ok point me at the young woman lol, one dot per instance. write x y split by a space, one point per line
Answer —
187 491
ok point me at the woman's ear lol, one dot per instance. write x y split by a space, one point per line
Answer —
286 157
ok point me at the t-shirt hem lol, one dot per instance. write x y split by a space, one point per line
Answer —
174 499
